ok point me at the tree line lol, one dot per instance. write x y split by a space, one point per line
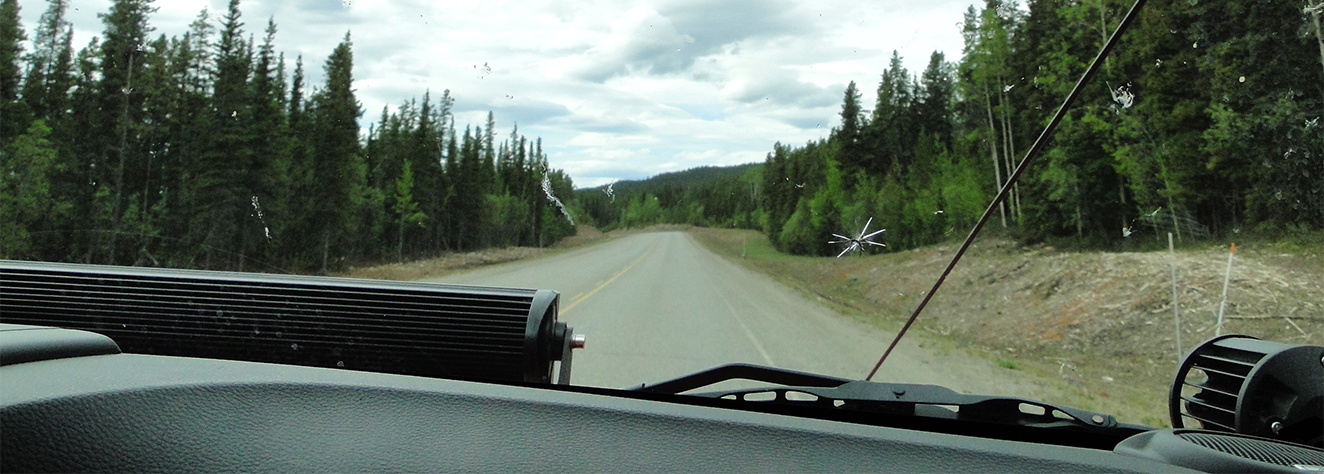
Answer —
705 196
202 151
1205 121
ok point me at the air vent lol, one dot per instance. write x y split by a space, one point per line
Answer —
378 326
1211 451
1245 385
1261 450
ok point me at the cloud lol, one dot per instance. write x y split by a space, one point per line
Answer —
611 143
641 40
647 41
781 86
822 118
601 171
716 24
522 111
605 125
706 112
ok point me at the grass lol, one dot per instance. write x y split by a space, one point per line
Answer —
1008 363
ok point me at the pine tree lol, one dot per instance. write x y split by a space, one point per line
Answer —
117 153
851 134
338 172
454 183
427 159
468 191
192 123
267 170
45 94
406 209
892 126
50 65
147 202
13 114
299 233
83 175
934 110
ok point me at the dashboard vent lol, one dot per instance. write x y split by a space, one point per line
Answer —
1245 385
1257 449
1212 451
378 326
1217 372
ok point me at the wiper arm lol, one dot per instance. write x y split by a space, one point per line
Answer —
930 401
757 373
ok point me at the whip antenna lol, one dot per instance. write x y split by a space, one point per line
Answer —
1006 187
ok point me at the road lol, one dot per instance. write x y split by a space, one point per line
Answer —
655 306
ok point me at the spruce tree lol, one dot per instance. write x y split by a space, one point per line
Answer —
891 131
337 170
13 114
50 65
851 134
934 108
406 209
116 141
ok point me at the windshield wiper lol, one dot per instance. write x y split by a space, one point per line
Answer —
931 401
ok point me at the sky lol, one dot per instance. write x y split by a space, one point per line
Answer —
616 90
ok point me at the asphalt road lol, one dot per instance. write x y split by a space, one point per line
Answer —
655 306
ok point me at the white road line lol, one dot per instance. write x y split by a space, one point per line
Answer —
748 333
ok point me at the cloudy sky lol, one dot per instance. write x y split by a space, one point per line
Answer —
617 90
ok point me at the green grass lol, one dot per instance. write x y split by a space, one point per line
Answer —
1008 364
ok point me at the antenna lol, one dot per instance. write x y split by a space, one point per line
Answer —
1015 176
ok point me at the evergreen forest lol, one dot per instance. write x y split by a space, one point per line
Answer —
1204 122
207 151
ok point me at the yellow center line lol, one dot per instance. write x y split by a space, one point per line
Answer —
583 296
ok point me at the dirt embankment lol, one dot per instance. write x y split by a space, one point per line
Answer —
1099 325
453 262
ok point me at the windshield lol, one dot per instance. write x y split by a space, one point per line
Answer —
770 182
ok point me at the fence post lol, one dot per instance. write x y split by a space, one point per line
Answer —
1176 314
1227 275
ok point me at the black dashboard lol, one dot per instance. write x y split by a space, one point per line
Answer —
87 407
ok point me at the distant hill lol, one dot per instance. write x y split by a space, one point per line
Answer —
716 196
693 177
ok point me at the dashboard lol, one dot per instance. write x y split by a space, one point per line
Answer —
70 401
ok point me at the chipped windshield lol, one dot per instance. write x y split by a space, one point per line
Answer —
762 181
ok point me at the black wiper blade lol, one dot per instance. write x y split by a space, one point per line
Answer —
932 401
757 373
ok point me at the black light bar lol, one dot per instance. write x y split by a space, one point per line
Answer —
406 328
